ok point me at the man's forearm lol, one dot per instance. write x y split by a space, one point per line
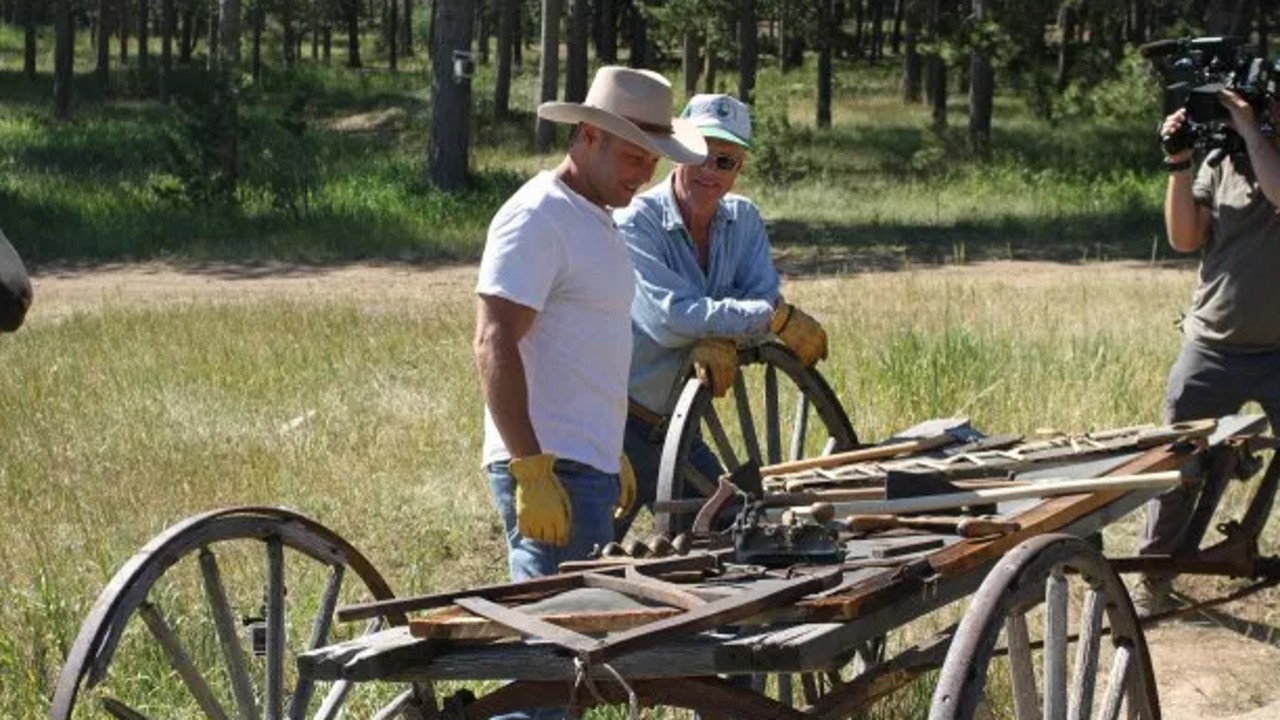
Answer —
1181 213
506 392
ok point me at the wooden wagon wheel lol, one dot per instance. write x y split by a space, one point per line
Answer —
266 573
1070 580
814 424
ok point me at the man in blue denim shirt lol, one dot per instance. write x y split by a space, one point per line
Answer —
704 279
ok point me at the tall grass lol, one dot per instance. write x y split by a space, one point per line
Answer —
121 420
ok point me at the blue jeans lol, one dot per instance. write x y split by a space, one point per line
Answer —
592 495
643 445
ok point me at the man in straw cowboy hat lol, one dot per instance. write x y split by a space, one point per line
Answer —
705 280
553 335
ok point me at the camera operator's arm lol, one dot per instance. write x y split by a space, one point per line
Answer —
1185 220
1263 155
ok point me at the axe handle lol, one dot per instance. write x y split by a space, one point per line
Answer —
967 527
878 452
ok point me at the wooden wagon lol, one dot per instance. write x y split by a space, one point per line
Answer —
777 603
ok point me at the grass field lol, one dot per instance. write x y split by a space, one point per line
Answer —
124 410
124 414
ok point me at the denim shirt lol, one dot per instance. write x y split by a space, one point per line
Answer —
676 303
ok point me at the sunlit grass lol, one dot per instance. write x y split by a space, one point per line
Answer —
121 420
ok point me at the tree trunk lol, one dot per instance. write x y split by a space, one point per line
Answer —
144 34
28 10
877 31
352 12
229 96
168 18
290 32
406 32
393 36
103 67
937 81
981 89
215 36
483 31
451 96
825 34
259 22
911 65
747 51
639 37
899 11
1226 17
691 61
507 39
64 59
1066 24
549 70
608 47
123 26
857 27
575 77
517 38
187 42
709 84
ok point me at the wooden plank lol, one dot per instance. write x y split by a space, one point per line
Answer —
1032 491
712 615
879 452
637 585
524 588
529 625
461 627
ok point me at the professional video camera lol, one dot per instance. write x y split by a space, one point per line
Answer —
1194 70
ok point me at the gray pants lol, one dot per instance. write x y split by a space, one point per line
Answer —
1207 383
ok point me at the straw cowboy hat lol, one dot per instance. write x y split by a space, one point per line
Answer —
637 106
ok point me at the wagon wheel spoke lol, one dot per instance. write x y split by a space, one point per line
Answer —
1022 677
724 448
121 711
319 635
1055 646
180 659
1117 683
745 420
704 485
800 427
275 629
772 423
232 652
1087 650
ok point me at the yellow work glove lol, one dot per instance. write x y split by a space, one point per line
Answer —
715 361
626 488
542 505
800 332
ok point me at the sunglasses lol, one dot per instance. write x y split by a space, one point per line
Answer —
724 163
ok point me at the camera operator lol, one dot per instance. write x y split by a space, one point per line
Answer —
1231 333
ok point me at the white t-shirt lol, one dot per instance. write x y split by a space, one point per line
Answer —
552 250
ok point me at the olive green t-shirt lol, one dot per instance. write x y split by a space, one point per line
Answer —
1236 304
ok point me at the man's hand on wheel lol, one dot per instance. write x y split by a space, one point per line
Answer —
800 332
715 361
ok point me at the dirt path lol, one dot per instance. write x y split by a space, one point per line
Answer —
1205 672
